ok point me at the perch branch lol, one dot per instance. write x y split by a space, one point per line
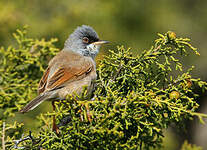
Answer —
3 137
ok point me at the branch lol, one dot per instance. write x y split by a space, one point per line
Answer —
113 78
3 136
29 137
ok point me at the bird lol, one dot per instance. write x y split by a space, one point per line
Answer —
70 70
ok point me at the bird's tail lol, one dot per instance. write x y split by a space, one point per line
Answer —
35 102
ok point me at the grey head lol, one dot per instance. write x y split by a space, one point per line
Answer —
85 41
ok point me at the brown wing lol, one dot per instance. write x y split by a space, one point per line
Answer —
67 72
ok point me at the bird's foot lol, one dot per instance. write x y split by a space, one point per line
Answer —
86 113
55 128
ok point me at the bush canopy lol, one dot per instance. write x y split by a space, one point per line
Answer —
135 99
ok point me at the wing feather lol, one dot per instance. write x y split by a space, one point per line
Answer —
43 81
67 74
70 70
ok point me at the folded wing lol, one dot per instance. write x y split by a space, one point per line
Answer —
71 69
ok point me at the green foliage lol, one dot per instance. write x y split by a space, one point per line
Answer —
21 68
187 146
136 97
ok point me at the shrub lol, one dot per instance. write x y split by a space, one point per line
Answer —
135 99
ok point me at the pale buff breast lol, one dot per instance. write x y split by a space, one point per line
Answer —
76 87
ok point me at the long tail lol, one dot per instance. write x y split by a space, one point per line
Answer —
35 102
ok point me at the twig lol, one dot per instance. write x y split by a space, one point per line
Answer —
171 84
29 137
115 76
117 73
3 136
157 48
17 142
140 146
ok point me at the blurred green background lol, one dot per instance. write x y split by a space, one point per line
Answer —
133 23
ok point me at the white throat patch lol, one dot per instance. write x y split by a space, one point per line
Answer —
93 47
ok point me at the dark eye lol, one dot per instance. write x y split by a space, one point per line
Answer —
85 40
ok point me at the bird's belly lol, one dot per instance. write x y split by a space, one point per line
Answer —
76 87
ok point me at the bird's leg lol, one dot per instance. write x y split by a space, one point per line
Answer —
81 116
88 113
54 127
89 116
